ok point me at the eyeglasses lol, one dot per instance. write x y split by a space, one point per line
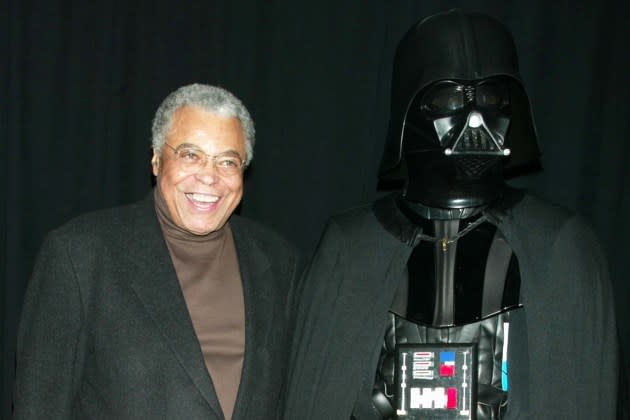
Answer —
192 159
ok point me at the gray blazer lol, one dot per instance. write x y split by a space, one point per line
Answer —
105 332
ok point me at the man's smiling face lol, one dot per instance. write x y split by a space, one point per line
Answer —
200 202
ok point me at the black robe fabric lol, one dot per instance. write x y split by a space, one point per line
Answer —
563 342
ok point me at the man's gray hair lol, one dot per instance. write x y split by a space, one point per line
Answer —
209 98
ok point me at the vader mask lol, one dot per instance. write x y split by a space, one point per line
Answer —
459 114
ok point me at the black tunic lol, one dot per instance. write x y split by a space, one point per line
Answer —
563 344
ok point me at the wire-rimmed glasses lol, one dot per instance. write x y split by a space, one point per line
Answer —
192 159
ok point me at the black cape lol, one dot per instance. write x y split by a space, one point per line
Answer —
563 342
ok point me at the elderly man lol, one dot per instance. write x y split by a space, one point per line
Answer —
172 307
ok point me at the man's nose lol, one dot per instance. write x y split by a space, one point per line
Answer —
208 174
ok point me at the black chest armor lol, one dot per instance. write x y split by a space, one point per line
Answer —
463 280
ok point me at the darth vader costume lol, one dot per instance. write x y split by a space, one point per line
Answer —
458 297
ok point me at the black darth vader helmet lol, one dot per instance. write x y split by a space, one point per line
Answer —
459 113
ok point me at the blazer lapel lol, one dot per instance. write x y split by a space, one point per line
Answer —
255 268
156 285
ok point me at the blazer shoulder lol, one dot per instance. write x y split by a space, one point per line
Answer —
99 225
264 236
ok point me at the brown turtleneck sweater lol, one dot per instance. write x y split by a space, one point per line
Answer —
208 273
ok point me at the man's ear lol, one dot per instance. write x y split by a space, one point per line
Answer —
155 163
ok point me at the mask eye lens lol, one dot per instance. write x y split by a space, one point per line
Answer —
448 101
490 94
444 99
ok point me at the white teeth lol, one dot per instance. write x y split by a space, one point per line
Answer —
204 198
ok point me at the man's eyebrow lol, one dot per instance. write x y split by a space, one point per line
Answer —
189 145
229 152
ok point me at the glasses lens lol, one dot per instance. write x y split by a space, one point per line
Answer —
228 164
191 159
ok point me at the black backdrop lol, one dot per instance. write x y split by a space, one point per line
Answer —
81 80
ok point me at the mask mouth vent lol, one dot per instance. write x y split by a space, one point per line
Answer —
474 167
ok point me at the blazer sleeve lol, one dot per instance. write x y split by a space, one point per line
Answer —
48 364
